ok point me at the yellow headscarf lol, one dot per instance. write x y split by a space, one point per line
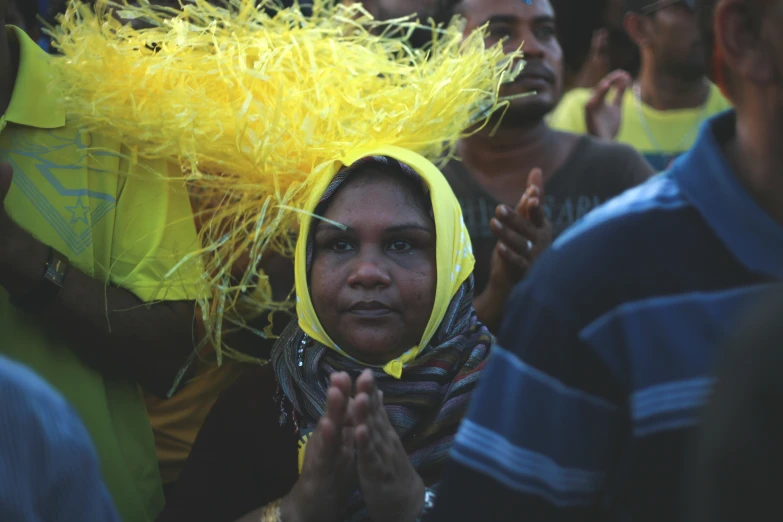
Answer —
453 253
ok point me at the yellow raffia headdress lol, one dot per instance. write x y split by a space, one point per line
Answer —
255 107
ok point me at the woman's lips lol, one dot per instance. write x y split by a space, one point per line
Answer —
370 309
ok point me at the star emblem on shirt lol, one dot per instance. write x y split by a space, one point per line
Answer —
79 212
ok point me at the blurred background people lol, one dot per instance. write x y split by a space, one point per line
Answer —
594 41
605 357
422 11
659 113
520 182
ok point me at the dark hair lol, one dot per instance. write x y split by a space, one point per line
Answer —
705 10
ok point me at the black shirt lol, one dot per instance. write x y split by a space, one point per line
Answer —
594 172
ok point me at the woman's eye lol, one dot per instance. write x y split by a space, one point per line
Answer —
399 246
342 246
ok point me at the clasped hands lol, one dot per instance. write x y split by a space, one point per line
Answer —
355 447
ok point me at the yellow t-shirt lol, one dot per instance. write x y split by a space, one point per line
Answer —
115 220
659 136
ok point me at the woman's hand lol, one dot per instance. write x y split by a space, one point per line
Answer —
393 491
523 233
329 470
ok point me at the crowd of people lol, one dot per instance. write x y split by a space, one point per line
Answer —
590 289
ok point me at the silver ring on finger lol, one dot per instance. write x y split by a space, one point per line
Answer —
529 246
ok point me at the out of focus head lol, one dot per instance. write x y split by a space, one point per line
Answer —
514 23
623 52
744 47
577 22
391 9
422 10
667 34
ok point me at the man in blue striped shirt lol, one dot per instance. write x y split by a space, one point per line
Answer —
48 467
585 409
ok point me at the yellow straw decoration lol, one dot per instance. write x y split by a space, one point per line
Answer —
254 105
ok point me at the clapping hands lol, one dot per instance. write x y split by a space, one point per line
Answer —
523 233
602 116
329 472
393 490
355 446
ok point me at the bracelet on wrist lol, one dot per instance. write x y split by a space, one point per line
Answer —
54 271
429 504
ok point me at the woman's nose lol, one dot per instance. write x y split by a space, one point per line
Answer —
369 271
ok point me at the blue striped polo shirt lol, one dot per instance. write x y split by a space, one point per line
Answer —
585 409
49 469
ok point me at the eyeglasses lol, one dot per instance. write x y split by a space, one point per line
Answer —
660 4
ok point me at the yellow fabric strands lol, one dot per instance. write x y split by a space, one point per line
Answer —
255 107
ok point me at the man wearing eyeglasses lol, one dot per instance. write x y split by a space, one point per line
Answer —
661 111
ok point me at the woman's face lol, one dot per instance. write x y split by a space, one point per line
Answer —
373 284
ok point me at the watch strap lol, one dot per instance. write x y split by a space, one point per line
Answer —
52 280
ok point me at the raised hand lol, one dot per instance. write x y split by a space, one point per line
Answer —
329 472
393 491
603 117
523 233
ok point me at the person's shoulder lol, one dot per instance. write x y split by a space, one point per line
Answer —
609 149
641 206
611 245
17 379
38 410
615 159
47 451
